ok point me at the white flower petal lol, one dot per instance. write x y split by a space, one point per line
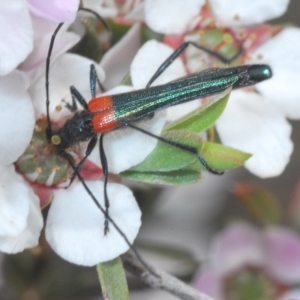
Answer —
29 236
237 246
75 226
63 42
16 31
116 62
61 11
20 219
42 26
16 115
14 202
119 89
178 111
68 69
148 59
138 13
245 12
283 260
282 88
250 123
173 17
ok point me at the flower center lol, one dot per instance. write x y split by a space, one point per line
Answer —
40 163
251 283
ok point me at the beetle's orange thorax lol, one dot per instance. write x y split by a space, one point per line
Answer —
104 118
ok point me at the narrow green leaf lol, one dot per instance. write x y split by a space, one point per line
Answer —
202 118
117 30
178 177
113 280
259 202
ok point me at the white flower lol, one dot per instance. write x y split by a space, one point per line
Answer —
250 123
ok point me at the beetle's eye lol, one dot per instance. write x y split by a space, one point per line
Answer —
55 139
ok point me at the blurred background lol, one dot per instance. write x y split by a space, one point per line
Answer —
179 222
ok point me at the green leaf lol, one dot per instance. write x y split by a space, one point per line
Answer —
202 118
259 202
178 177
165 157
113 280
222 158
171 165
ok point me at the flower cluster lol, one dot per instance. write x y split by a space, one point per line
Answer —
74 227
